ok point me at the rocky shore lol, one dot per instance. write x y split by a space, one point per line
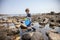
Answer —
9 26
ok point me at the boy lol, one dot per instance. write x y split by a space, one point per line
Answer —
25 24
28 21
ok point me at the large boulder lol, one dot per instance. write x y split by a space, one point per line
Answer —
37 36
53 35
32 36
8 34
3 34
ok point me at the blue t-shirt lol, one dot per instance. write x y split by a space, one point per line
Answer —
28 15
28 20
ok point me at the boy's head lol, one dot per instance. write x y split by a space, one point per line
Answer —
27 10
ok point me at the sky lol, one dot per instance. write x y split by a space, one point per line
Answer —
35 6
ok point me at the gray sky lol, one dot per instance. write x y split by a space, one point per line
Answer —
35 6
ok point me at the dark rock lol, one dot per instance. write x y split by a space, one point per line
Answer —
53 35
26 37
32 36
37 36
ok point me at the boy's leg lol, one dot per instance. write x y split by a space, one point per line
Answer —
29 27
29 30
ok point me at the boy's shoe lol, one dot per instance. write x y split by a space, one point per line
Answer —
28 30
33 29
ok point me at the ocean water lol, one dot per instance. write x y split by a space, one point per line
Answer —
5 15
17 14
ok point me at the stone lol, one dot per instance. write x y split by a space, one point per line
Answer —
53 35
32 36
37 36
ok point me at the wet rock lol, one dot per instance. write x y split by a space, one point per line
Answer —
12 31
2 21
3 34
37 36
17 26
58 22
53 35
44 21
52 25
17 38
9 20
52 20
8 34
26 36
32 36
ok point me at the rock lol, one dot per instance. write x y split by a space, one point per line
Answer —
58 21
32 36
43 21
9 20
23 26
17 38
52 25
1 25
13 31
2 21
17 26
26 36
37 36
53 35
15 22
3 34
8 34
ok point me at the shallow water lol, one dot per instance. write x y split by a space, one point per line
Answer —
45 29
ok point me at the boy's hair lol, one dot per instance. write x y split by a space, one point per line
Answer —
26 9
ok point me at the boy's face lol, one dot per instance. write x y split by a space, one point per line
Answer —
27 12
